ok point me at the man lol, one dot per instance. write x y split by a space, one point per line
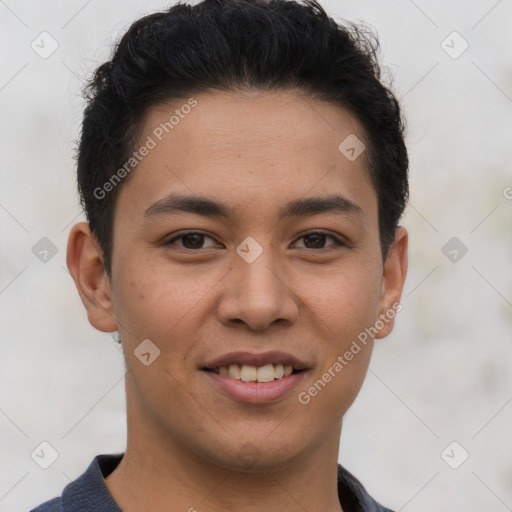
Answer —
243 172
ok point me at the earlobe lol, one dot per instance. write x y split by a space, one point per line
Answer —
394 273
85 263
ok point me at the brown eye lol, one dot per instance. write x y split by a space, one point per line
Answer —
192 240
315 240
318 239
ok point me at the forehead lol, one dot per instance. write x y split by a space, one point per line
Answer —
244 147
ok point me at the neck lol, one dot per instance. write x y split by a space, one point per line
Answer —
158 474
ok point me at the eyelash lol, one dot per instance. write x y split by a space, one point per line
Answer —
337 242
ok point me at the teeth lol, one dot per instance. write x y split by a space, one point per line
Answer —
233 371
248 373
265 373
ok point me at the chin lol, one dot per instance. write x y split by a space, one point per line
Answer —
255 456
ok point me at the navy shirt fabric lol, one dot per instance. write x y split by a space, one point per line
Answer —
89 493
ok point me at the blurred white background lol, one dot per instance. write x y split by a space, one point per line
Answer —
442 376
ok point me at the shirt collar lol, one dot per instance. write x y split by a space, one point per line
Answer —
90 492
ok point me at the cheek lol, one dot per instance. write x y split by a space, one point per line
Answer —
169 306
345 302
334 385
344 305
151 302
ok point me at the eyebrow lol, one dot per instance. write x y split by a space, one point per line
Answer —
207 207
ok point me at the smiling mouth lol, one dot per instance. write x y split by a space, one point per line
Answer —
248 373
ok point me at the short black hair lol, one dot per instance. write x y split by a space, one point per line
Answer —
229 45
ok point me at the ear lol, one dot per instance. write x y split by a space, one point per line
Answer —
85 263
393 278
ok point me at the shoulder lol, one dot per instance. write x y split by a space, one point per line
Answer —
89 491
53 505
353 496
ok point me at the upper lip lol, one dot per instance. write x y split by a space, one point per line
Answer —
253 359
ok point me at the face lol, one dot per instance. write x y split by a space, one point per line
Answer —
246 247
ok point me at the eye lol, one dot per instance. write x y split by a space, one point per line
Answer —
317 240
194 240
191 240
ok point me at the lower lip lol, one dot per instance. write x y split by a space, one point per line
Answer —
256 392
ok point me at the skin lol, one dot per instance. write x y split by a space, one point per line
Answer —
187 441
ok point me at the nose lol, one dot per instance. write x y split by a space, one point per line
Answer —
257 294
